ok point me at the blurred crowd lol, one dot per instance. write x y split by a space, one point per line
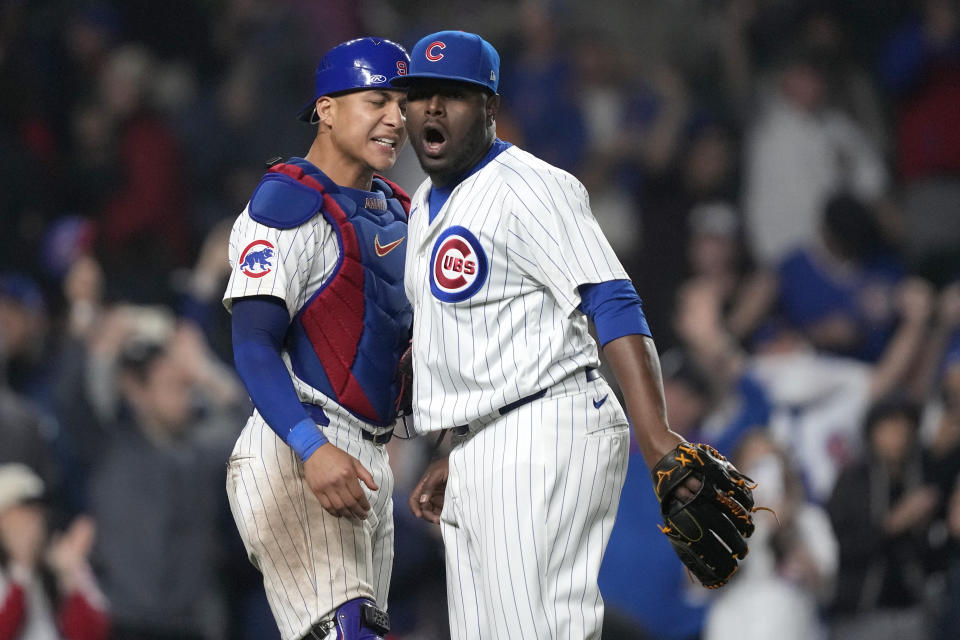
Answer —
781 178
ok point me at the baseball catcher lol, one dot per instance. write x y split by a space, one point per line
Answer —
707 531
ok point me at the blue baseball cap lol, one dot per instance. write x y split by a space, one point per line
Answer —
21 289
453 55
363 63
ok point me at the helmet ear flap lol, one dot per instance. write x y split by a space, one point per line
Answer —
314 114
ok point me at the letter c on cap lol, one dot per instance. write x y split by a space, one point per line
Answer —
434 57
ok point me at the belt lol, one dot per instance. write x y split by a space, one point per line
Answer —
317 415
590 373
377 438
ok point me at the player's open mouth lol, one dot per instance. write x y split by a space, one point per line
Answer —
433 140
386 142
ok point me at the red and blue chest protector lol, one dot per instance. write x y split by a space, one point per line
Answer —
348 337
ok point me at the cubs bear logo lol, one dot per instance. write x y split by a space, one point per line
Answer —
458 267
255 261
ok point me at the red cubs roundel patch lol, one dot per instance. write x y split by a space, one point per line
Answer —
256 260
458 266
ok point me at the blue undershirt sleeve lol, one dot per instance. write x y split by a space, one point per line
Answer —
614 308
259 325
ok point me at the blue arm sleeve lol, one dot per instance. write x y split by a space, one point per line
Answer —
259 325
614 308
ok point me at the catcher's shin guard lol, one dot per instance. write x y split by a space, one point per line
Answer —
358 619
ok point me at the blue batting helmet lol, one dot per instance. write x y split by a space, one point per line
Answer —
364 63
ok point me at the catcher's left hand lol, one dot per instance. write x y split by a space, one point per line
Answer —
404 401
709 530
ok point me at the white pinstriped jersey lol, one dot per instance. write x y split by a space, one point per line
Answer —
493 283
300 261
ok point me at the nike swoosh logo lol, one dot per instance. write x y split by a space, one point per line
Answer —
384 249
599 403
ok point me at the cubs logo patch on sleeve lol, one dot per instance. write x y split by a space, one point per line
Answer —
256 260
458 265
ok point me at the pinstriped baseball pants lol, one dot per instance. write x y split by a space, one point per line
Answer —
311 561
529 506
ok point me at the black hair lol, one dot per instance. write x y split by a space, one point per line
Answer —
891 407
138 357
676 364
851 228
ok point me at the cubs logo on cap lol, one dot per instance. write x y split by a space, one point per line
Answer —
435 51
256 260
458 266
453 55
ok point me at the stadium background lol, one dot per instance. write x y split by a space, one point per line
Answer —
780 177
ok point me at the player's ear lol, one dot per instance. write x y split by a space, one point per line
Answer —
493 108
326 110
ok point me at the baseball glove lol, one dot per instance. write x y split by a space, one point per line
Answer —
708 531
404 401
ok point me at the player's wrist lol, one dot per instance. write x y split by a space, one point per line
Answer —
654 448
305 438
